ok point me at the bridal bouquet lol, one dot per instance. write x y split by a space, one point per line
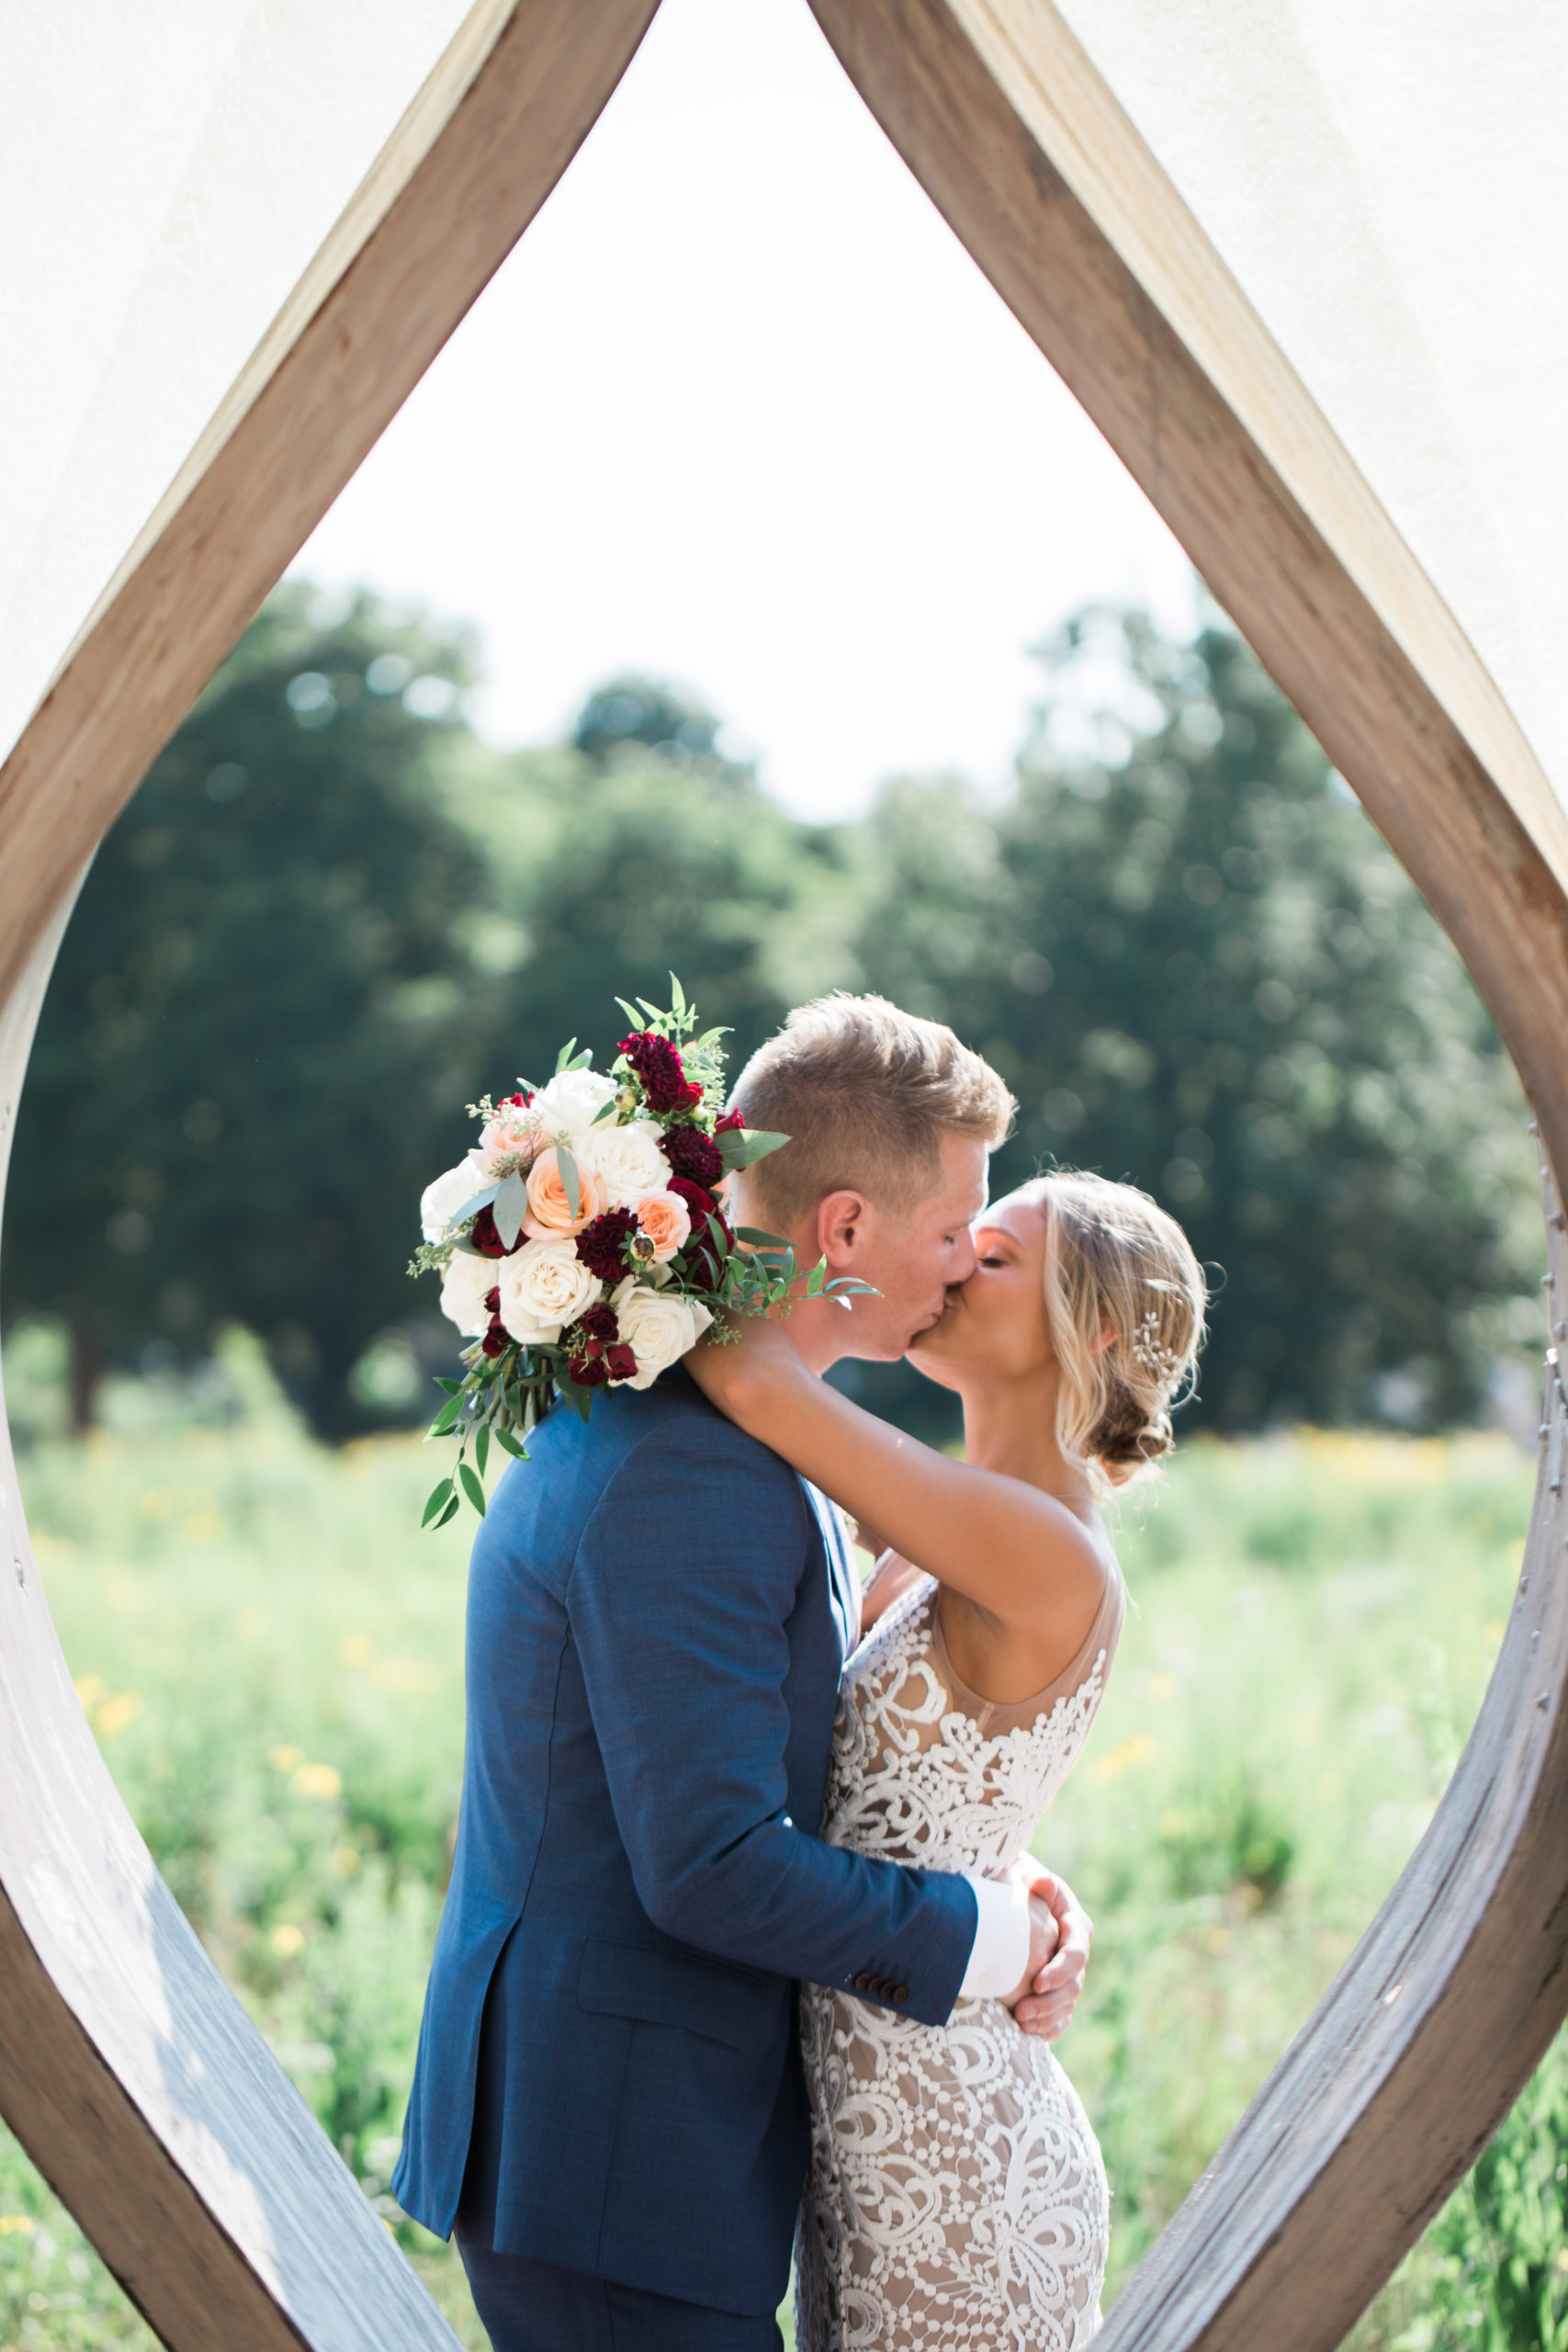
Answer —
581 1244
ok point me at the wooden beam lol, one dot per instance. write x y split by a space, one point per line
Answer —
128 2071
1405 2070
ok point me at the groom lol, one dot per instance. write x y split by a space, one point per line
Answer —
608 2102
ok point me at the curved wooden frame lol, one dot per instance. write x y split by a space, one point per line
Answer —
184 2153
127 2070
1393 2088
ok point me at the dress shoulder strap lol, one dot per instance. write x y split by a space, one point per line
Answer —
1095 1654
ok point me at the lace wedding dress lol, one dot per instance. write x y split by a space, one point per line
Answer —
956 2196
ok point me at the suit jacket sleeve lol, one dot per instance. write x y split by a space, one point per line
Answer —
679 1605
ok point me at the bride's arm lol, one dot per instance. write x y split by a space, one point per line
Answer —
1015 1552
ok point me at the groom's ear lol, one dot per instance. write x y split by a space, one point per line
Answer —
840 1222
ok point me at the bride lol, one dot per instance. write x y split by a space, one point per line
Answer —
956 2195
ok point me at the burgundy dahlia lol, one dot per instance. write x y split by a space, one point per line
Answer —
601 1245
692 1155
592 1349
661 1072
488 1241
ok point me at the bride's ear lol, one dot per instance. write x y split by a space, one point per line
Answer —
839 1222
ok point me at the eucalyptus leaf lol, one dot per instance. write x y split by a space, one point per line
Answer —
742 1147
451 1386
633 1016
606 1111
509 1444
450 1512
481 1451
511 1208
471 1208
471 1487
448 1414
571 1180
757 1239
564 1058
440 1497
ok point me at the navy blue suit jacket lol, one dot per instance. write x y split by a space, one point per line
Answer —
659 1611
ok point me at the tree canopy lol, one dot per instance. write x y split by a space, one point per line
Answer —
331 916
260 1028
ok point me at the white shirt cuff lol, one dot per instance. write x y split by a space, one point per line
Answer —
1000 1954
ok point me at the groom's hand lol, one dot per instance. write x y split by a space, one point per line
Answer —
1045 2001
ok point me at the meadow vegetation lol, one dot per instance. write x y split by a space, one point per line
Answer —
270 1656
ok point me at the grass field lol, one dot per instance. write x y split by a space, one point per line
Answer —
270 1654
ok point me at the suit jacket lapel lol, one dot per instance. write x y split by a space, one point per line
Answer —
843 1584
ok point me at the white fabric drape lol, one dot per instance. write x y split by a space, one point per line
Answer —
166 173
1387 180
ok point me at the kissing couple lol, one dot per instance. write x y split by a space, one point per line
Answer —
744 1948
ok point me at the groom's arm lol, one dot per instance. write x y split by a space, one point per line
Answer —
678 1606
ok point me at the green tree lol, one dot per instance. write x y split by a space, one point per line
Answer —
1199 967
266 1017
616 872
632 711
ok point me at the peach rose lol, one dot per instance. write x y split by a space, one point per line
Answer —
550 1216
666 1221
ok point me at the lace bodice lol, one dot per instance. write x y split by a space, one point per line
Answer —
926 1771
956 2196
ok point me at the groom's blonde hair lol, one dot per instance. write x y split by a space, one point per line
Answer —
864 1093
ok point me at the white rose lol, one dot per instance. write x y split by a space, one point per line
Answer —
571 1103
466 1285
629 1159
440 1202
658 1328
544 1286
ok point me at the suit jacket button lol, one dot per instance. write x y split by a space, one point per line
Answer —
863 1982
877 1988
900 1994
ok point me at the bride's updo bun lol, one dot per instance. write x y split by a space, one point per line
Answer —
1125 1301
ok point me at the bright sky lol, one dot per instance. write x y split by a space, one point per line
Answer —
740 410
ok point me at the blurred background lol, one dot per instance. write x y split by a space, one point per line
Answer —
740 596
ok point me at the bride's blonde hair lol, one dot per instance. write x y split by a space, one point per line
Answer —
1116 1264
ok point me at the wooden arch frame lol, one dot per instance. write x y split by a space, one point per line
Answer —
126 2068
